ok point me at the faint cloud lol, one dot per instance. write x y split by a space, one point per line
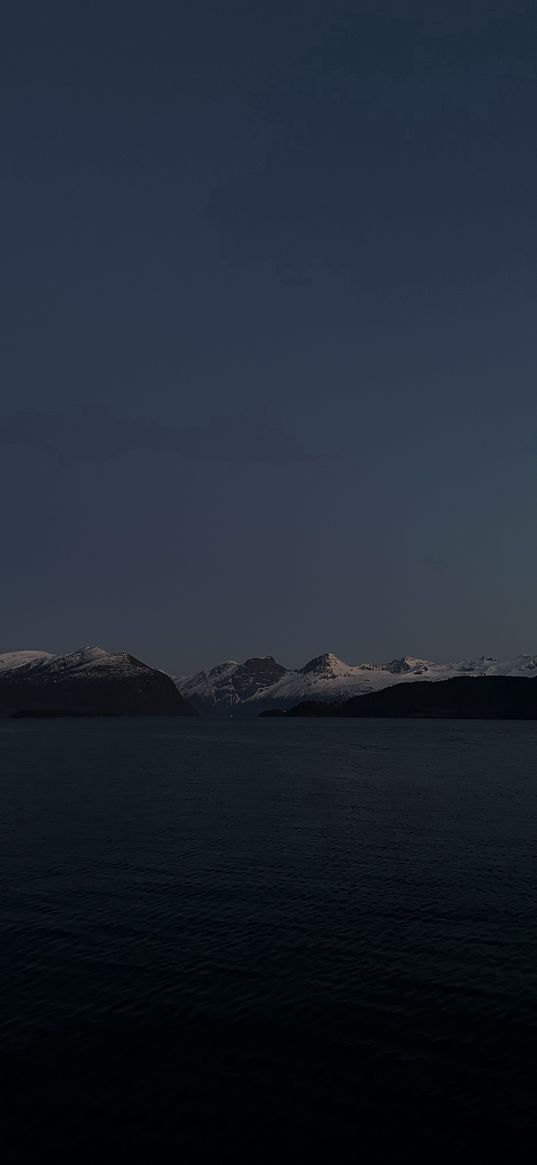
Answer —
97 435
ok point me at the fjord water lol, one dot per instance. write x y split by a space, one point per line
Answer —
268 937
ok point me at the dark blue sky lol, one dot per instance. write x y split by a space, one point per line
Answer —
269 287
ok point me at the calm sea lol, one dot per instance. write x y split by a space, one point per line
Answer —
257 940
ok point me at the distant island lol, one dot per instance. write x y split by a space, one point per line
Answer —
468 698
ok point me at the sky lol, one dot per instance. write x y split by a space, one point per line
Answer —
268 328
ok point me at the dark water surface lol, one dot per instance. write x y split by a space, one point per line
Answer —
261 939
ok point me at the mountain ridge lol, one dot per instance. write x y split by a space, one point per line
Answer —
261 683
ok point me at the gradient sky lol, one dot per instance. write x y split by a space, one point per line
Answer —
269 289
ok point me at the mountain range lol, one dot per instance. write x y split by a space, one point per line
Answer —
93 681
260 683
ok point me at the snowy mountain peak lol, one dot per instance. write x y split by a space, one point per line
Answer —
13 660
327 666
222 669
256 660
86 654
255 675
409 663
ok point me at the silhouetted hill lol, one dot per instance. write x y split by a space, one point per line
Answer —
473 698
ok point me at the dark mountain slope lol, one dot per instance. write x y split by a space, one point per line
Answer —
488 698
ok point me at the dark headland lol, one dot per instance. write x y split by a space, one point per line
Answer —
90 682
470 698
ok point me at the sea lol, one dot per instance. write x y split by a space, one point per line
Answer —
267 940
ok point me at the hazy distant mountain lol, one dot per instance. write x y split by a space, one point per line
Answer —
86 682
233 688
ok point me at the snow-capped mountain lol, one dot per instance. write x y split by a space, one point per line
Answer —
230 684
89 681
261 683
